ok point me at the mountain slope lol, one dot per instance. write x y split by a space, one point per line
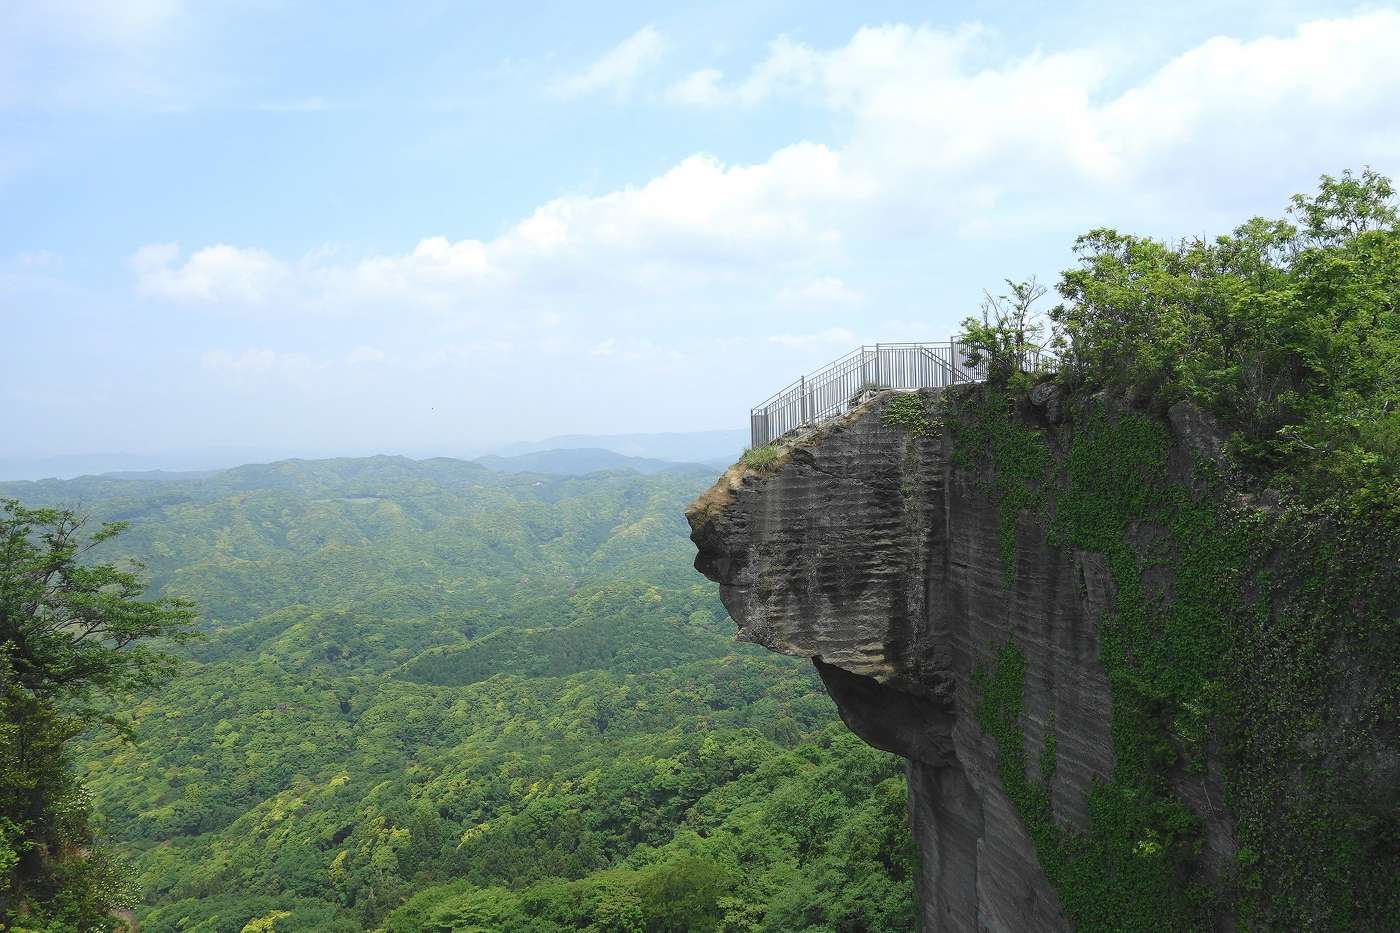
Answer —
428 692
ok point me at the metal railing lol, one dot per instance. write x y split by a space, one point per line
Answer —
837 387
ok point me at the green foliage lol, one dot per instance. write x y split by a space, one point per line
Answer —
1009 337
791 845
984 431
1278 644
1159 656
763 459
682 895
1347 206
1308 699
1291 335
1230 628
74 635
1049 759
71 630
910 411
1129 870
436 697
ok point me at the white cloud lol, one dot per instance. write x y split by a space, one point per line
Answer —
713 272
699 88
952 137
933 144
699 224
218 273
618 70
154 256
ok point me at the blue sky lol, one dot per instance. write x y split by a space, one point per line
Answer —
435 227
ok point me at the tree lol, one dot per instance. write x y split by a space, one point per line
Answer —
75 635
1344 207
683 895
1008 337
1287 331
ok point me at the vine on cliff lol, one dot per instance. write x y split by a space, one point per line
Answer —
983 432
910 411
1197 659
1251 628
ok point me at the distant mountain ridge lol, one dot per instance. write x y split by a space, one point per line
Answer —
675 446
582 461
566 462
709 448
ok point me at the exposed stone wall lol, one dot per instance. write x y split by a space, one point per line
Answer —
870 551
969 571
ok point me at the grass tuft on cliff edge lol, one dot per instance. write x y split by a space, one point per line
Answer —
1271 654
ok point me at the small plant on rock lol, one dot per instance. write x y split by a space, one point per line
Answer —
910 411
763 459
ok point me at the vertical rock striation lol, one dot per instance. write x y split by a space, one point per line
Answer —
868 549
969 593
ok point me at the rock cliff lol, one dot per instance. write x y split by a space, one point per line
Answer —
881 549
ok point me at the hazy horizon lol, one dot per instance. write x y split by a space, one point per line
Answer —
678 447
315 229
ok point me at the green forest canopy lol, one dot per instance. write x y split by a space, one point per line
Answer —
432 697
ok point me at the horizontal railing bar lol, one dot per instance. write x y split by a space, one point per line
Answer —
832 389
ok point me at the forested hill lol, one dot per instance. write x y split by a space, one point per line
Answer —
435 697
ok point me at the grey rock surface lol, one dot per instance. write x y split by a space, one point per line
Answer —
870 551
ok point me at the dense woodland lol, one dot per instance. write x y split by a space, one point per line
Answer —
433 697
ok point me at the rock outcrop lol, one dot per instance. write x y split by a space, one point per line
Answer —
870 550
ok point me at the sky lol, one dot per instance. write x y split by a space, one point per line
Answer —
436 227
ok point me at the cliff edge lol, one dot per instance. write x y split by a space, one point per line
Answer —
1044 611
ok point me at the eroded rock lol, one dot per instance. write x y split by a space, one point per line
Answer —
875 555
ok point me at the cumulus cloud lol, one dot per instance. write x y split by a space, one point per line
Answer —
932 142
953 136
220 273
700 222
619 69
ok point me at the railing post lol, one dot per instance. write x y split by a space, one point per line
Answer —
912 370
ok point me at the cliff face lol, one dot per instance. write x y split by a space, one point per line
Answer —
876 551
